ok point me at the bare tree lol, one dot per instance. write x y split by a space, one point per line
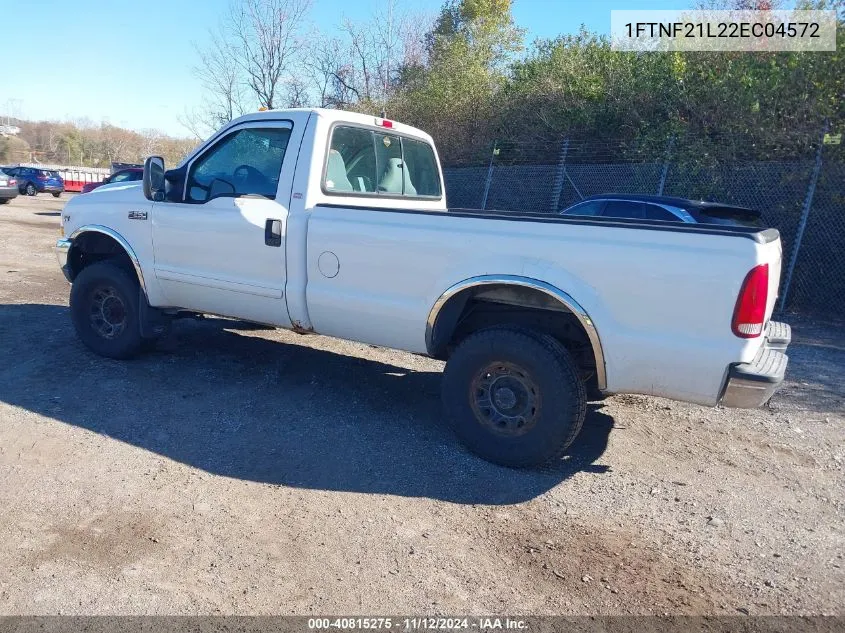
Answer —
331 73
219 72
151 142
377 50
113 141
247 62
265 41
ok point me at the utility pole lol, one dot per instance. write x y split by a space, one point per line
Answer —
805 214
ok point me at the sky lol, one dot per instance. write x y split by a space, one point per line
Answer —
129 63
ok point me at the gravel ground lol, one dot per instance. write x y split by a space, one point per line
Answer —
242 470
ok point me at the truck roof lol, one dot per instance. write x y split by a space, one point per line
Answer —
331 115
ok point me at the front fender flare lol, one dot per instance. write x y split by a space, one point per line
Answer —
117 237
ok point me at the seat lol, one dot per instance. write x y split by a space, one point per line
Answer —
336 178
395 175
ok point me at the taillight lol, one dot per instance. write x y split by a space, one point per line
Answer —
750 311
12 181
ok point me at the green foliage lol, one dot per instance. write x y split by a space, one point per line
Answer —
454 95
13 149
472 89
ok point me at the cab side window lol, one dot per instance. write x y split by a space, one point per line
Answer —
363 161
245 162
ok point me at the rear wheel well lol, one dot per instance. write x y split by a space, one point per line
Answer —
91 247
490 305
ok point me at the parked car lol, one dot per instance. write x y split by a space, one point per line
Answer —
664 208
332 222
124 175
33 180
8 187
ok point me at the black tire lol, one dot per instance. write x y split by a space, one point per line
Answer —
56 194
30 189
541 386
114 331
4 200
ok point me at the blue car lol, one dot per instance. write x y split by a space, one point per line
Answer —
33 180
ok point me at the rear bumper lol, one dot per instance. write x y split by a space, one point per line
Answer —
778 335
750 385
52 189
7 193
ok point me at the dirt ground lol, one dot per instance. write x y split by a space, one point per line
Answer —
251 471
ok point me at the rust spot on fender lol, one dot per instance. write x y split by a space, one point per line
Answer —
300 329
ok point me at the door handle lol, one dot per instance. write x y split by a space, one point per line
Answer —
273 232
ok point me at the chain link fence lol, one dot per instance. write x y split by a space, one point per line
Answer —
803 197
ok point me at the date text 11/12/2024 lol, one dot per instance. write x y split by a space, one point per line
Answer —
417 623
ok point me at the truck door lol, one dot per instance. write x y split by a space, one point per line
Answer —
219 242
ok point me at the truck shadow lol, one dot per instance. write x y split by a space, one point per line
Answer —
243 406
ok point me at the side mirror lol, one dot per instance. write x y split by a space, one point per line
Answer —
154 178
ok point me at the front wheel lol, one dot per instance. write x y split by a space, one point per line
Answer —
513 396
30 189
104 309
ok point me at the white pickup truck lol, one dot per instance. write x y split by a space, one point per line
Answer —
336 223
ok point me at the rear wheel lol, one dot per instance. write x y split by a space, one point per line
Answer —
104 309
30 189
513 396
4 200
56 194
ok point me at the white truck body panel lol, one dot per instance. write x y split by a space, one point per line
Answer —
371 269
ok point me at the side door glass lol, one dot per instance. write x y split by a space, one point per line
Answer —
623 209
121 176
654 212
245 162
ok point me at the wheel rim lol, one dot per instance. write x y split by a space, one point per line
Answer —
505 399
30 190
108 312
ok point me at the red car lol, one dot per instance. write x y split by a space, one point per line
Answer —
124 175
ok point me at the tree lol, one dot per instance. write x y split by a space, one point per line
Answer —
248 62
220 76
362 68
265 42
452 92
331 74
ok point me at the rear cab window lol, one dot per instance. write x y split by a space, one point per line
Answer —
366 162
